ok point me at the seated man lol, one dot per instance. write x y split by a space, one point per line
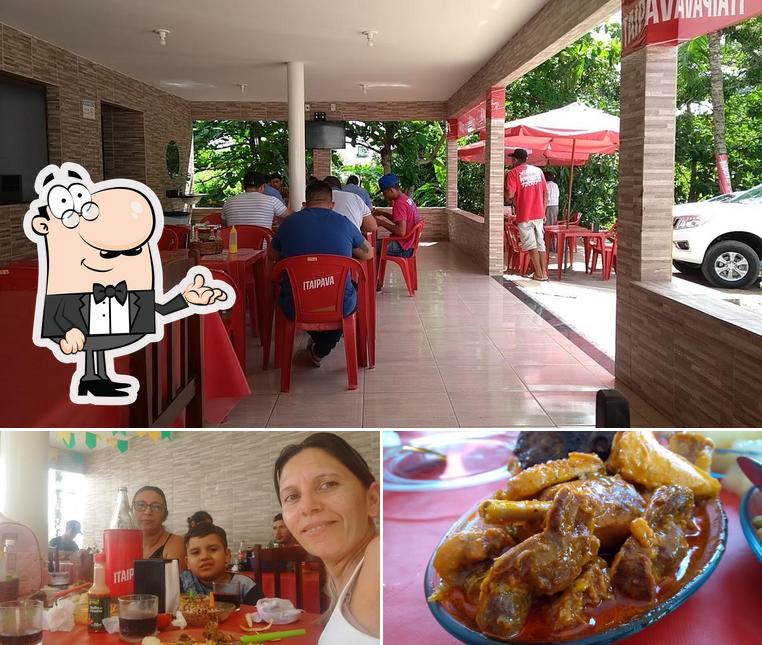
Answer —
207 556
351 206
315 229
66 541
274 187
281 535
404 217
253 206
353 186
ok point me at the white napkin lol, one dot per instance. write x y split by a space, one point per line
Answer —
179 620
60 617
111 624
277 610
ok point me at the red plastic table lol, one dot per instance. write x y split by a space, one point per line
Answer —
562 233
726 610
80 636
310 580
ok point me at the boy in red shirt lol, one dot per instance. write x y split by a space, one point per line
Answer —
525 185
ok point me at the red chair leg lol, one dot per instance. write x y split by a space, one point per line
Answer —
415 273
405 268
381 274
286 353
350 349
594 260
267 332
251 296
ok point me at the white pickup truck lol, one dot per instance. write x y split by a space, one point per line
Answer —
721 239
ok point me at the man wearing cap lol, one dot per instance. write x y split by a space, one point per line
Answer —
404 217
66 541
525 185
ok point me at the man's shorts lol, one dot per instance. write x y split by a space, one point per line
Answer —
532 236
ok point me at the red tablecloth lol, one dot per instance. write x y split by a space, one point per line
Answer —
36 387
311 580
80 636
725 610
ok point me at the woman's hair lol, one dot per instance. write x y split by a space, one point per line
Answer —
335 446
199 517
158 491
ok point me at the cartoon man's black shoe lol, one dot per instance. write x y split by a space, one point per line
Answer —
100 387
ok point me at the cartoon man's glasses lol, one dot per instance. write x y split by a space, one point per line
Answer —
72 203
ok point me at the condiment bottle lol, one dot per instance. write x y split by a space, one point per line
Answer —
98 598
9 560
233 241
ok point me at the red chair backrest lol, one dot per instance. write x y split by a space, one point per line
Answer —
317 284
212 218
575 218
417 232
182 232
249 236
168 240
513 238
219 274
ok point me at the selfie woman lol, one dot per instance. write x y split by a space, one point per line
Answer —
330 500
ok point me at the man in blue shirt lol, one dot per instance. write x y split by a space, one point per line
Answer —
273 186
317 229
353 186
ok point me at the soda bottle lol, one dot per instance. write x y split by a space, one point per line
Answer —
98 597
122 517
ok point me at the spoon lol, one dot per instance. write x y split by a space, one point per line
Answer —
752 468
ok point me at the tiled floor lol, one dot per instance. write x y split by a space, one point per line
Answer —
464 352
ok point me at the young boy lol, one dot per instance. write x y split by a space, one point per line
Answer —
207 556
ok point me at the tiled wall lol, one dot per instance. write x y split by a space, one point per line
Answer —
70 79
228 474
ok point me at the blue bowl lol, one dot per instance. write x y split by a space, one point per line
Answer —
707 563
751 506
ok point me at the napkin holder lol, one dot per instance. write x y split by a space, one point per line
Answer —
160 578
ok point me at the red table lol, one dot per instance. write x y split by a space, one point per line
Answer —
725 610
311 584
564 233
80 635
37 388
248 269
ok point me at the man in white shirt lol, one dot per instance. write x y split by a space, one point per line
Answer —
253 207
551 211
351 206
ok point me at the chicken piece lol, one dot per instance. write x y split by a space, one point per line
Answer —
694 447
456 558
500 511
590 589
543 564
638 457
657 545
533 480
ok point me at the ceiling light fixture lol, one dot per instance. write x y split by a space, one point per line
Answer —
369 86
370 34
162 34
243 87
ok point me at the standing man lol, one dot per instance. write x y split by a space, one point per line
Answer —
525 185
404 217
551 212
253 206
274 187
66 541
353 186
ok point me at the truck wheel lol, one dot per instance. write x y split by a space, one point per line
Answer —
686 267
731 265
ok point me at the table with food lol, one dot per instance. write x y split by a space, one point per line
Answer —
590 537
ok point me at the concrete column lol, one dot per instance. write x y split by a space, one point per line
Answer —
321 163
646 183
297 164
494 167
452 163
24 485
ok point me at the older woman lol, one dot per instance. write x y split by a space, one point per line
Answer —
150 509
330 499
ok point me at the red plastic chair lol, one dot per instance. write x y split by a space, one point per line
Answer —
317 284
608 255
249 236
518 258
213 218
595 242
168 240
573 220
234 318
182 232
409 266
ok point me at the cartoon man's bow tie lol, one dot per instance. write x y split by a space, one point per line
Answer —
100 293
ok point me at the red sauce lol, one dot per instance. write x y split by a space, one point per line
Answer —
610 613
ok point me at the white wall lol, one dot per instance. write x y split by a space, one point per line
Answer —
228 474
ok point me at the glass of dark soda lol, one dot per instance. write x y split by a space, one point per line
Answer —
137 616
21 622
228 592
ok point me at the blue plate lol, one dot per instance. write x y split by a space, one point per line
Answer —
705 564
751 506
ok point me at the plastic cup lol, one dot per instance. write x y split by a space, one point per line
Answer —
21 622
137 617
228 592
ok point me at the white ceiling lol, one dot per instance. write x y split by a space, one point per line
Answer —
431 46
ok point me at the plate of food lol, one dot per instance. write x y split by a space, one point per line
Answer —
210 635
198 611
578 550
751 520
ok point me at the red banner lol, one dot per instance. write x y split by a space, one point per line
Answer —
723 174
671 22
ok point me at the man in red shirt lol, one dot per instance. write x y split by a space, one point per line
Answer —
404 217
525 185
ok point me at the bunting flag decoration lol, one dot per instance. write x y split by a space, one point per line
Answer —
91 440
119 439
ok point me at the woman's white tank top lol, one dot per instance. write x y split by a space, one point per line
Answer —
339 631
